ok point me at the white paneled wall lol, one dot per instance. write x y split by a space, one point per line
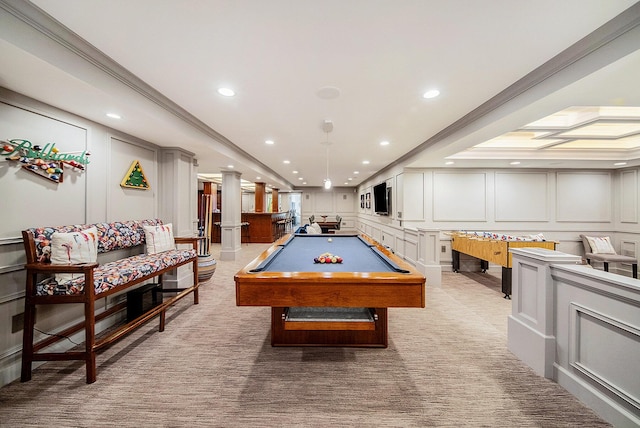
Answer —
340 201
27 200
561 204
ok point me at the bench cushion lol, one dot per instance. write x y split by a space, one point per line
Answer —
111 236
113 274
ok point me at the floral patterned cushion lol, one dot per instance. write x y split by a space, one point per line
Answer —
111 236
114 274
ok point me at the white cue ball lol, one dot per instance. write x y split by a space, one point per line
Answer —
329 240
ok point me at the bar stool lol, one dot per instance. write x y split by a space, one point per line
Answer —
290 218
282 227
274 229
244 228
217 237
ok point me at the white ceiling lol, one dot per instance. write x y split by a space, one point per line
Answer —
278 54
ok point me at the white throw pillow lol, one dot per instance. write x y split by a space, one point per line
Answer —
311 230
601 245
159 238
73 248
317 227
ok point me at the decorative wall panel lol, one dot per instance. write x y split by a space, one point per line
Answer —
521 196
629 196
56 203
584 196
459 196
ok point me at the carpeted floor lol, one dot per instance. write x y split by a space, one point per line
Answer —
446 365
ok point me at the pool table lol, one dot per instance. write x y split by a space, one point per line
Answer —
329 304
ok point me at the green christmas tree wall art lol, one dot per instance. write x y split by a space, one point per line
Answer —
135 177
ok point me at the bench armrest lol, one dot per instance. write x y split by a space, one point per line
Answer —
50 268
187 240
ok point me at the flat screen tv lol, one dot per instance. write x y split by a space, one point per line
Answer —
381 199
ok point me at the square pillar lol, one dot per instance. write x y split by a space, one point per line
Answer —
530 334
230 215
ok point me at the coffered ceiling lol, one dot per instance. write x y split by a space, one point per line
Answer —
518 81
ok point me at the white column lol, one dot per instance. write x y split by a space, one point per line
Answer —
428 261
178 192
530 334
230 212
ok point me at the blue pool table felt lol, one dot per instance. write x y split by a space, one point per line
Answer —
297 254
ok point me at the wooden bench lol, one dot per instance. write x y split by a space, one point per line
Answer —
132 269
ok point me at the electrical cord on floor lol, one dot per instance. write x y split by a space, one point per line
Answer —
56 335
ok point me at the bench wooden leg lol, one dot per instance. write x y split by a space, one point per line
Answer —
27 338
162 321
90 337
196 298
606 266
634 268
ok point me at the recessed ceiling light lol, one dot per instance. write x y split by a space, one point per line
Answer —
328 93
294 171
114 116
286 161
432 93
226 92
514 163
229 166
619 163
349 178
365 162
449 163
384 143
258 178
356 172
304 182
270 142
300 178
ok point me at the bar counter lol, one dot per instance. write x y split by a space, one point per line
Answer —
262 227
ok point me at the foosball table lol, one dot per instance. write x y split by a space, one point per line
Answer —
493 248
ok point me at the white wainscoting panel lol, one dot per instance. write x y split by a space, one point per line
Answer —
597 329
459 196
411 246
23 189
345 201
413 207
126 203
629 196
521 196
594 336
428 258
584 196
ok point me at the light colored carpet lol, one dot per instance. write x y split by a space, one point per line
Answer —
446 365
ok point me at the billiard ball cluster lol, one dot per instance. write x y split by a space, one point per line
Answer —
327 258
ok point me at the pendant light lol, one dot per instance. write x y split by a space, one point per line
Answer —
327 127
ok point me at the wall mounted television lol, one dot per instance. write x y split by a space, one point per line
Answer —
382 199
